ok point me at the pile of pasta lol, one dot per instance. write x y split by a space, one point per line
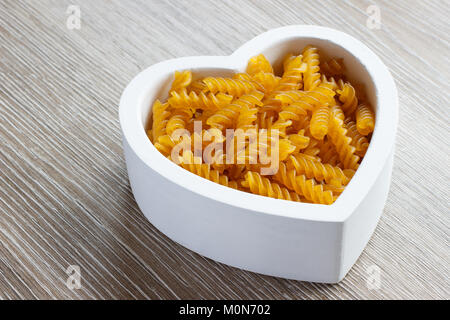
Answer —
324 124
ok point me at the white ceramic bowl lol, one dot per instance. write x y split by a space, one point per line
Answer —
287 239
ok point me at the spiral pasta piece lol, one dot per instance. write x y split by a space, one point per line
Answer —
178 120
360 142
290 97
160 118
233 87
365 119
182 80
323 94
302 186
298 103
292 78
347 95
312 75
285 149
252 79
334 186
242 76
198 101
226 117
204 170
319 122
294 111
257 64
312 168
267 81
299 140
197 86
338 112
164 144
270 104
264 187
264 149
341 141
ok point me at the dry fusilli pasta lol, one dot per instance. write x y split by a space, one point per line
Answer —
308 127
365 119
312 75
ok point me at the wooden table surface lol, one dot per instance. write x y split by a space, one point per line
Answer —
64 192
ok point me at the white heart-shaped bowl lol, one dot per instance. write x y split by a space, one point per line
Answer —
287 239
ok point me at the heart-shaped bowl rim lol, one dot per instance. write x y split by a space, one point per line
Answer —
135 100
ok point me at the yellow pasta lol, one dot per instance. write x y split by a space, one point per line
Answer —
315 169
328 154
299 140
267 81
226 117
312 75
160 115
281 125
298 103
319 122
204 170
294 67
330 82
313 148
178 120
301 123
252 79
264 187
247 118
334 186
360 142
365 119
182 80
302 186
286 148
304 130
308 100
257 64
183 99
341 141
233 87
347 95
197 86
271 104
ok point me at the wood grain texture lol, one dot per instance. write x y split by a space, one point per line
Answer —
64 192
